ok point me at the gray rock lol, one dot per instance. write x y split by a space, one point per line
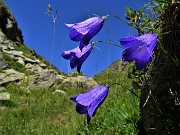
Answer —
11 48
4 48
87 83
2 62
10 75
60 77
28 60
3 75
7 46
9 24
2 88
80 81
33 68
20 60
43 80
70 82
4 96
42 65
14 53
53 79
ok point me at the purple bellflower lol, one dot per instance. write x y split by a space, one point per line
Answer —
85 30
89 102
77 56
139 49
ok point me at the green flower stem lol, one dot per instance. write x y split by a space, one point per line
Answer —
107 43
53 42
124 87
122 20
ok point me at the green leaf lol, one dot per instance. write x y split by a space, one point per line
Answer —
129 12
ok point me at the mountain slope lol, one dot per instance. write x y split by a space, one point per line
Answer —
117 70
23 66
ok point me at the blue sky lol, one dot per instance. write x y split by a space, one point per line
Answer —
37 29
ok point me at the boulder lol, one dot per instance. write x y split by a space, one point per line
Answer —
20 60
80 81
10 75
14 53
43 79
34 68
51 78
42 65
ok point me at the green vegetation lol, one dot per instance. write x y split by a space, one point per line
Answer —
44 112
23 48
1 71
13 64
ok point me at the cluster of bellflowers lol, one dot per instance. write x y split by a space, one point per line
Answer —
138 49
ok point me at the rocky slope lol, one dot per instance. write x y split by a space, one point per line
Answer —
23 66
117 66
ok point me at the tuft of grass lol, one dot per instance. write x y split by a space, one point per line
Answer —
38 112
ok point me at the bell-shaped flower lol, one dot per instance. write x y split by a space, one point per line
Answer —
85 30
138 49
77 56
89 102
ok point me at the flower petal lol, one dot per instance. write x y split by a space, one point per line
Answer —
139 49
141 56
128 42
141 63
81 57
79 68
77 56
130 54
74 99
85 30
75 35
69 25
81 45
70 53
81 109
89 102
152 43
87 98
97 102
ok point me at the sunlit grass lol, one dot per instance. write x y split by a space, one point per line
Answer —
39 112
44 112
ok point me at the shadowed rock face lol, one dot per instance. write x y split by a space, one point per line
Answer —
9 25
160 94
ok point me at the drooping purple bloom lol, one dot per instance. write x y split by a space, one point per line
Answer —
139 49
85 30
77 56
89 102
